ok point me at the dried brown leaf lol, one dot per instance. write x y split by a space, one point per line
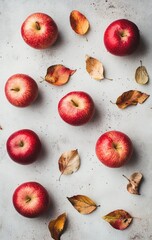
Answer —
82 204
58 74
141 75
118 219
56 226
131 97
79 22
134 182
69 162
95 68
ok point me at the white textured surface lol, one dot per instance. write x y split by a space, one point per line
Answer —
105 186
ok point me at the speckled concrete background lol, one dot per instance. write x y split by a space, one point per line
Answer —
105 186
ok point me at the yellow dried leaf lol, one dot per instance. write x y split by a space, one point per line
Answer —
58 74
69 162
56 226
95 68
79 22
82 204
134 182
118 219
141 75
131 97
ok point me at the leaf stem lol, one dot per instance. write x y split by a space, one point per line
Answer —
43 79
126 177
112 102
110 79
60 176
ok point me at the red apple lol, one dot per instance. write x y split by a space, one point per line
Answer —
21 90
114 149
31 199
39 31
121 37
76 108
23 146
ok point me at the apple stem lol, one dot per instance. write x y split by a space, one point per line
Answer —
126 177
37 26
28 199
21 144
115 145
74 103
15 89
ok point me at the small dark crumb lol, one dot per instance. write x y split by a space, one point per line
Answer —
1 128
111 6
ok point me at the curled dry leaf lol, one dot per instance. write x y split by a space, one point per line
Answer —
118 219
69 162
131 97
79 22
82 204
58 74
134 183
141 75
95 68
56 226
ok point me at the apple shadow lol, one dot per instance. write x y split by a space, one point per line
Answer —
134 158
50 210
38 101
96 117
59 41
143 47
43 154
